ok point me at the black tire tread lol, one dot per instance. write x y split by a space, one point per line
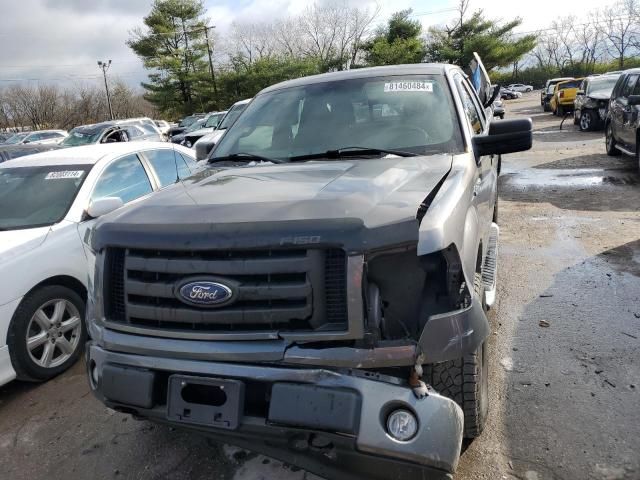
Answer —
459 380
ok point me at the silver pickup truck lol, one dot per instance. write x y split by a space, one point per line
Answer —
319 293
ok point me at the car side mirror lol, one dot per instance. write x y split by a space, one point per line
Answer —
580 92
27 141
633 100
102 206
507 136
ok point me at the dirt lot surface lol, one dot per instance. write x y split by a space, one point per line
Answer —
565 369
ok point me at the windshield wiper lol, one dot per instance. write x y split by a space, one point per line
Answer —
244 157
352 152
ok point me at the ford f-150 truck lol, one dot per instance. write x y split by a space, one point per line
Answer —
320 292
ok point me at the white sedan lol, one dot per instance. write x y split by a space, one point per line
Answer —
520 87
48 203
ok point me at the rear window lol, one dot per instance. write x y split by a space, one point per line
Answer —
572 84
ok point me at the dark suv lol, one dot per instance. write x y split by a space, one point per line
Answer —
622 123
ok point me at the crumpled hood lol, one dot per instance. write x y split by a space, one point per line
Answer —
600 95
15 242
346 194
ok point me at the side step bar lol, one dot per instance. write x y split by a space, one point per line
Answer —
490 267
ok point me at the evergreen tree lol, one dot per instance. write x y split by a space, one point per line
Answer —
173 46
399 42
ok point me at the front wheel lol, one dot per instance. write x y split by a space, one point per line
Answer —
47 333
560 111
466 381
610 141
587 120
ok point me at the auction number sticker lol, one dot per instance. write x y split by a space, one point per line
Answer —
64 174
408 86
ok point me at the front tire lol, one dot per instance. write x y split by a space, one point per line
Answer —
610 141
466 381
47 333
587 121
560 111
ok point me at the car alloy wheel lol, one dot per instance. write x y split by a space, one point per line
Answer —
585 121
53 333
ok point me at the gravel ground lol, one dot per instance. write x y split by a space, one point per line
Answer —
565 374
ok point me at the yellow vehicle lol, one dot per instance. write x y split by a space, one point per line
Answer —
564 95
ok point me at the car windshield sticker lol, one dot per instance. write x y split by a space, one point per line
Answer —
64 174
409 86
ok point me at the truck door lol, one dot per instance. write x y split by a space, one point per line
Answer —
622 113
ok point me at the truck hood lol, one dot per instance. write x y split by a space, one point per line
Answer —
15 242
600 95
275 202
200 133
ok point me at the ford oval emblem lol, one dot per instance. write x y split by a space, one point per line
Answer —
205 293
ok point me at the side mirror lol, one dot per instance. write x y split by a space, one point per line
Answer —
507 136
580 92
104 205
633 100
26 141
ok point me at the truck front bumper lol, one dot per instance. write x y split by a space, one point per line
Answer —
356 446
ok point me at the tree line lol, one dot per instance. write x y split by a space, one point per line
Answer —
607 39
192 68
44 106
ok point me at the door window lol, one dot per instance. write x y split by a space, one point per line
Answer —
125 178
186 166
163 162
470 108
629 85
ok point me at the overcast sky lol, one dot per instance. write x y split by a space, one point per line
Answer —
61 40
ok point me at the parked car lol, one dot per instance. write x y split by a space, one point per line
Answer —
547 92
204 145
564 94
622 125
185 123
48 204
520 87
592 99
197 125
508 94
338 258
9 152
164 127
109 132
5 136
39 136
210 125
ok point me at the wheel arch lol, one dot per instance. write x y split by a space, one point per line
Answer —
64 281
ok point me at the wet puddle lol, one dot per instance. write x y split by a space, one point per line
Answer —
570 178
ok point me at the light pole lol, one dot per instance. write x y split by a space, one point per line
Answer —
104 66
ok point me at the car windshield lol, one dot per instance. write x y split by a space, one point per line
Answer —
81 136
213 120
231 116
17 138
37 196
571 84
410 114
602 85
187 121
197 125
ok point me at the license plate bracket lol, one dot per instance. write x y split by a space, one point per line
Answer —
213 402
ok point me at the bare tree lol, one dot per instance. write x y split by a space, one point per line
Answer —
617 24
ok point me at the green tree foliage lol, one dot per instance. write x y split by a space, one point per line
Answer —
495 43
174 48
399 42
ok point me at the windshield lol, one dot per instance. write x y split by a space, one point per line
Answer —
571 84
17 138
79 136
195 126
602 85
213 120
187 121
411 114
231 116
38 196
